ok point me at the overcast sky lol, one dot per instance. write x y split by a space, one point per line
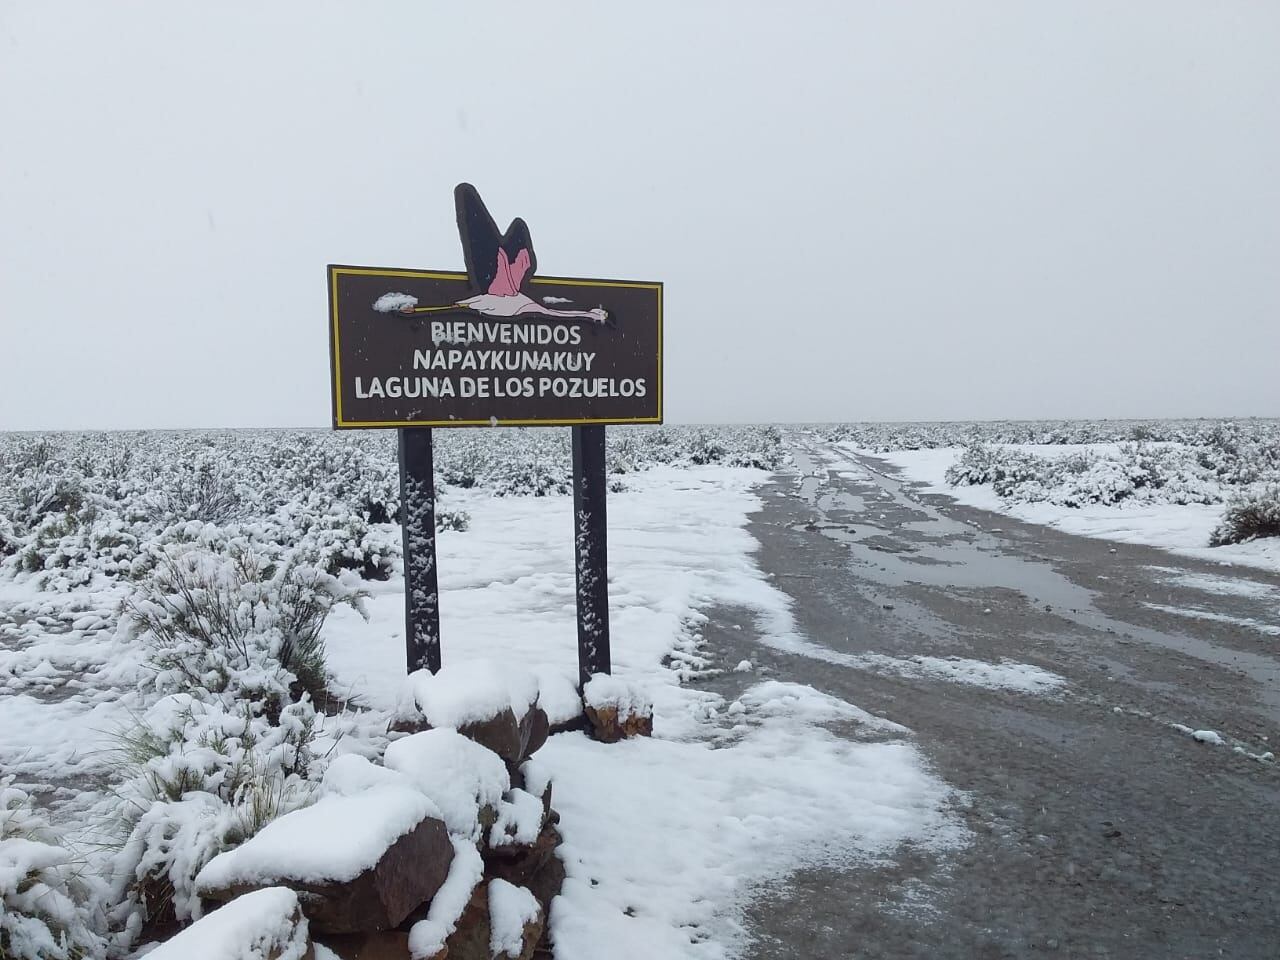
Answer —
888 210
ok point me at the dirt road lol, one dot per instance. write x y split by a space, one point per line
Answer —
1100 826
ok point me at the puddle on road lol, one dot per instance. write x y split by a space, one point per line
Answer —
837 501
932 528
809 485
969 558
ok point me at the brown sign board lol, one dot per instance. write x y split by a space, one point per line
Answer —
416 348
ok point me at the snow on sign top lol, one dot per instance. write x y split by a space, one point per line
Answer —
496 345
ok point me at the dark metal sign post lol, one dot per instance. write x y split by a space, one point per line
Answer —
418 517
495 346
590 552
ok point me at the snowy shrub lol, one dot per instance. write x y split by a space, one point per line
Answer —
983 464
236 626
338 539
977 465
758 447
461 463
451 518
202 777
1135 471
1239 456
1252 514
203 492
233 642
703 448
625 451
537 478
44 902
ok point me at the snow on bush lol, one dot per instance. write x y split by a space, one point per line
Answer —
237 626
228 549
1251 514
232 648
44 902
203 777
1133 472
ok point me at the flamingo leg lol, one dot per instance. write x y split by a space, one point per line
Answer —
447 306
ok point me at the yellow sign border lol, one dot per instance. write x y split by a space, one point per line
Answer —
336 364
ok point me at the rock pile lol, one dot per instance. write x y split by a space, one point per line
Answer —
447 849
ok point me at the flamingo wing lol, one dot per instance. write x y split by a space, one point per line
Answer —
480 237
482 243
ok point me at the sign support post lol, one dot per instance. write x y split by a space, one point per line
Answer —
591 551
418 517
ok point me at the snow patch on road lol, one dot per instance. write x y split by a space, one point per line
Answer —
1005 675
776 698
1192 612
1215 739
1224 586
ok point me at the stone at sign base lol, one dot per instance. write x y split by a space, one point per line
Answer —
382 945
408 873
266 925
537 868
616 709
471 939
511 739
609 725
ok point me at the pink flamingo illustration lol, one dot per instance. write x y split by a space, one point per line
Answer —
499 265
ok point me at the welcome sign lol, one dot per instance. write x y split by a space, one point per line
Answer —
497 345
423 348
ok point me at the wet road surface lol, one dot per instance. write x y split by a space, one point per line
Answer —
1100 826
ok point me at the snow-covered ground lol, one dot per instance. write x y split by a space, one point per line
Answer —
1181 528
664 838
66 684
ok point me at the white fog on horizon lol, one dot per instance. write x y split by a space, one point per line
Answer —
860 211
